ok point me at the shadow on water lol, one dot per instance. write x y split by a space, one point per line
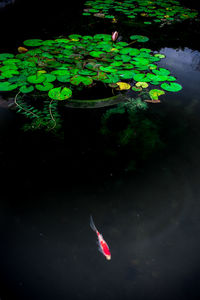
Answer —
148 212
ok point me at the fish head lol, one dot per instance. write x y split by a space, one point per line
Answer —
108 257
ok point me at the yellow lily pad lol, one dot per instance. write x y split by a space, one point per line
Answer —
123 86
142 84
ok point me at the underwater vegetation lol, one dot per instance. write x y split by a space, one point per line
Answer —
151 11
131 135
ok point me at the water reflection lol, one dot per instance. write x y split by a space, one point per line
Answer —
184 65
149 217
6 2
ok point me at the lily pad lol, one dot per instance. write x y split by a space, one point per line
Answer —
60 93
36 79
171 87
9 73
139 38
96 53
33 42
49 77
64 78
141 84
108 69
155 93
130 51
5 56
78 79
7 86
123 85
26 89
44 87
161 71
60 72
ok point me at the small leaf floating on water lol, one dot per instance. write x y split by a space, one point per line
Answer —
22 49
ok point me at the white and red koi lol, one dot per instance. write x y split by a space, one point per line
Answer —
103 247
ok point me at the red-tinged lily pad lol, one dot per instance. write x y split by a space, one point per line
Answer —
171 87
60 93
78 79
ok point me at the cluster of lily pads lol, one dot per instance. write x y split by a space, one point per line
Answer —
149 10
58 67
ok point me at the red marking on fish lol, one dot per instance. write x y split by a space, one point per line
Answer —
103 246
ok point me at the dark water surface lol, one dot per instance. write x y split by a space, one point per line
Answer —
150 216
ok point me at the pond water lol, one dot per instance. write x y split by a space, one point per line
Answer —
147 206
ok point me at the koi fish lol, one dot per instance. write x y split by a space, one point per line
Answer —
103 247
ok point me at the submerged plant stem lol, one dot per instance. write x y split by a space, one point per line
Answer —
21 107
52 117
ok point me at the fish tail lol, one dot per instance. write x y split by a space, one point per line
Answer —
92 224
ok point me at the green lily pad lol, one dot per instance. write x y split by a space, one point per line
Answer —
161 71
60 72
139 38
45 86
105 37
75 36
87 72
136 89
60 93
33 42
7 86
126 74
26 89
8 67
5 56
49 77
130 51
11 61
159 55
64 78
141 77
35 79
108 69
96 53
171 87
9 73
